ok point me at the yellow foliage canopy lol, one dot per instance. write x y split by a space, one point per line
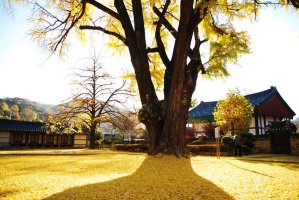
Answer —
234 113
55 20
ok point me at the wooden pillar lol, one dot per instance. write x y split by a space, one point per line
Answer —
43 139
73 140
70 140
264 124
59 140
256 121
260 125
26 138
11 136
87 140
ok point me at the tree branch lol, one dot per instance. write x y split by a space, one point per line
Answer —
103 8
120 37
125 21
152 50
161 47
165 22
73 23
139 24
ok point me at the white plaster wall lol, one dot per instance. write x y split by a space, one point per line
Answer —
80 141
252 126
4 137
269 119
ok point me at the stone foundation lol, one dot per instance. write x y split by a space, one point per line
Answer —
263 146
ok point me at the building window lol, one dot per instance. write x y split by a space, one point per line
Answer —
50 139
34 138
64 140
189 125
17 138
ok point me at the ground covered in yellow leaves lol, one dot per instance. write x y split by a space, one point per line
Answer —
95 174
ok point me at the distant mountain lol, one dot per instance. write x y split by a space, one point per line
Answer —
39 108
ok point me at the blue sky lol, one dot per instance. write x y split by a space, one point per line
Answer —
27 72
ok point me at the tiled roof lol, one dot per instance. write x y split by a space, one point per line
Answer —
259 98
205 109
21 126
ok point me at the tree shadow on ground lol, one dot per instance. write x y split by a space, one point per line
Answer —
157 178
245 169
292 165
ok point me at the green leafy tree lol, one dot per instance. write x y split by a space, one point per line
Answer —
169 42
234 113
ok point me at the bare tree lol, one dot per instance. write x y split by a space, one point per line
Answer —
126 123
96 100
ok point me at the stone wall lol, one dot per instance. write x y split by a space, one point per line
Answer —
263 146
295 146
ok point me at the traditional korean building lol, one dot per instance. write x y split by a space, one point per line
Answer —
33 134
269 106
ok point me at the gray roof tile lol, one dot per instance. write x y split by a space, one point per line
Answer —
205 109
21 126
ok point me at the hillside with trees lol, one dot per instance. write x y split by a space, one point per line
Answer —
23 109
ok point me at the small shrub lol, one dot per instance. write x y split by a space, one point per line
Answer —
202 149
207 139
107 141
118 142
245 150
99 139
228 143
190 140
205 149
130 147
247 139
197 142
133 141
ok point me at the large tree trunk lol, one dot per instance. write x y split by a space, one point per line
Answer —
170 137
92 137
178 96
165 120
167 134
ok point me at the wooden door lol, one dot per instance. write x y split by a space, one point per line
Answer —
280 144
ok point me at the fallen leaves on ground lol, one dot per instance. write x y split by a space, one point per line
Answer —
247 179
93 174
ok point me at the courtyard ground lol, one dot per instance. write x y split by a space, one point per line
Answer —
101 174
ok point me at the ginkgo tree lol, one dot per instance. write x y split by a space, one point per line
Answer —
4 110
97 99
234 113
170 43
